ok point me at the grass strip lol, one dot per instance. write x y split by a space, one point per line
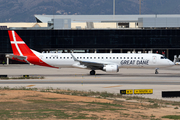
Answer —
8 78
155 102
175 117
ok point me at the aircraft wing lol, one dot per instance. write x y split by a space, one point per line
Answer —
89 64
23 58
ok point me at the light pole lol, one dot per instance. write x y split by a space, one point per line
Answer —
140 6
114 7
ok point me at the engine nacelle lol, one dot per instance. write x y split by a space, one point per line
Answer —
111 68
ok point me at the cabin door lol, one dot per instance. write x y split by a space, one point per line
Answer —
154 58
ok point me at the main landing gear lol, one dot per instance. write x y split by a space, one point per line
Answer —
156 71
92 72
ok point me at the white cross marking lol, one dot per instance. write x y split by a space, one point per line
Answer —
15 42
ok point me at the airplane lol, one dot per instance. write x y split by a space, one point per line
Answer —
108 62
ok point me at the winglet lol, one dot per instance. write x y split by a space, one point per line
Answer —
74 57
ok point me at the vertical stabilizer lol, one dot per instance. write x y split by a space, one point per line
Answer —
19 47
23 53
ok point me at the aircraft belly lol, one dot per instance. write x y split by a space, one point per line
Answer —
61 64
145 66
140 66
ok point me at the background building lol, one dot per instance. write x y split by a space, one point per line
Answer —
97 33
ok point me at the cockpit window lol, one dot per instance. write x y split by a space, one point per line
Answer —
162 57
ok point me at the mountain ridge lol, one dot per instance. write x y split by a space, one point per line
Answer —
24 10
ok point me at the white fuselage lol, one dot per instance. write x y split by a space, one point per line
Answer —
108 62
123 60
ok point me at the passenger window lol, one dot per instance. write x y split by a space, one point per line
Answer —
84 57
124 57
53 57
60 57
162 57
80 57
87 57
138 57
131 57
106 57
142 58
102 58
67 57
127 57
109 57
90 57
134 57
98 57
49 57
64 57
94 57
57 57
117 58
77 57
71 57
113 57
46 57
120 57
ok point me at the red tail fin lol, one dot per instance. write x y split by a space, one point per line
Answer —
19 47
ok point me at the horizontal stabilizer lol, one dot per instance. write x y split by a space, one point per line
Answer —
11 56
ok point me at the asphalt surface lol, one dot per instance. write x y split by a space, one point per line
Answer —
168 79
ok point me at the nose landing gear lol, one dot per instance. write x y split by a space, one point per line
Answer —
156 71
92 72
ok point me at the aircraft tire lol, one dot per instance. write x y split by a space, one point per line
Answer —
156 71
92 72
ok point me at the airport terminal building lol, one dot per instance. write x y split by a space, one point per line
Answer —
97 34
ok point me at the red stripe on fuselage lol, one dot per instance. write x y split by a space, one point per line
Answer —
35 60
31 57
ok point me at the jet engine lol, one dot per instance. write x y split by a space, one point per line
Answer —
111 68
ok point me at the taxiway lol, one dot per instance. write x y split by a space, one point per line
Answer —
168 79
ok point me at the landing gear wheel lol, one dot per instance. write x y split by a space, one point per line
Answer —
92 72
156 71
